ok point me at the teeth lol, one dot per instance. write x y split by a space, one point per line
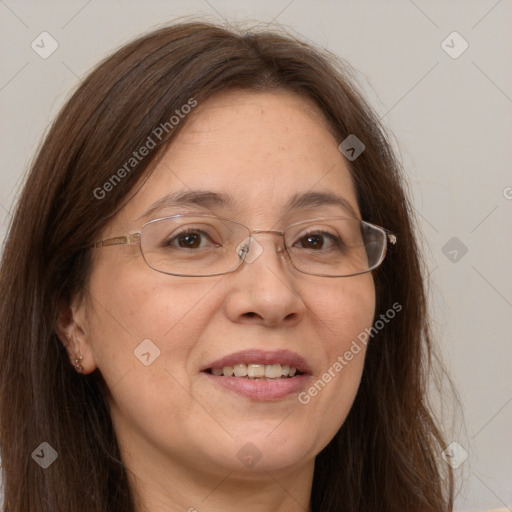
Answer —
228 371
240 370
273 371
256 371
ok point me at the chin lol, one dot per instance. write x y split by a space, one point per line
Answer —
261 452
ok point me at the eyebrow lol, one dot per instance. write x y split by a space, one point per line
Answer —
202 198
214 200
319 199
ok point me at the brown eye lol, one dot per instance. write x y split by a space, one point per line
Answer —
319 241
312 242
190 239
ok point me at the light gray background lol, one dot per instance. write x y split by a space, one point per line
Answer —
452 119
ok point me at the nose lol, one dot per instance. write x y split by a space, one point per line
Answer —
264 288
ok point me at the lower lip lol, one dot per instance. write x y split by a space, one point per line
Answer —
262 390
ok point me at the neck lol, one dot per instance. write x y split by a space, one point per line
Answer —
169 486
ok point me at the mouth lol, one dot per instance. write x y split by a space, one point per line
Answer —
260 375
256 371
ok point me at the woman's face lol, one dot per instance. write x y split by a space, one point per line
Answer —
262 154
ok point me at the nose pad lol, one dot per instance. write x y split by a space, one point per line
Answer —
249 250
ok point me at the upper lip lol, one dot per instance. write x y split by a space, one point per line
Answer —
258 356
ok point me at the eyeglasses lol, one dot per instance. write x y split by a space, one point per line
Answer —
205 245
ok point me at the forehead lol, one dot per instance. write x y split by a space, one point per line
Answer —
258 150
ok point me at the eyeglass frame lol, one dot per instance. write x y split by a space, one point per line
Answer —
133 238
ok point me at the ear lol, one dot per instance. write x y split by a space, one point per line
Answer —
72 329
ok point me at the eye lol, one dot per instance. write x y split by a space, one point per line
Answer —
190 239
319 240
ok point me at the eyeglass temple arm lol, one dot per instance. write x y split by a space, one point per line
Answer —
131 238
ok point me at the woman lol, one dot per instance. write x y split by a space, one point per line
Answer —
199 312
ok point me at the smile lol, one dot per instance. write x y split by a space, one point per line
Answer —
256 371
260 375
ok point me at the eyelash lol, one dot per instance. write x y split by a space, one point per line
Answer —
336 241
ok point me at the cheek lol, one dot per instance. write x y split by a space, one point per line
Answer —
342 314
132 304
344 309
136 314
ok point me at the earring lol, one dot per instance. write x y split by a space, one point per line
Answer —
78 365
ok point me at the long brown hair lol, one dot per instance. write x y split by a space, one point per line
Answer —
385 456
